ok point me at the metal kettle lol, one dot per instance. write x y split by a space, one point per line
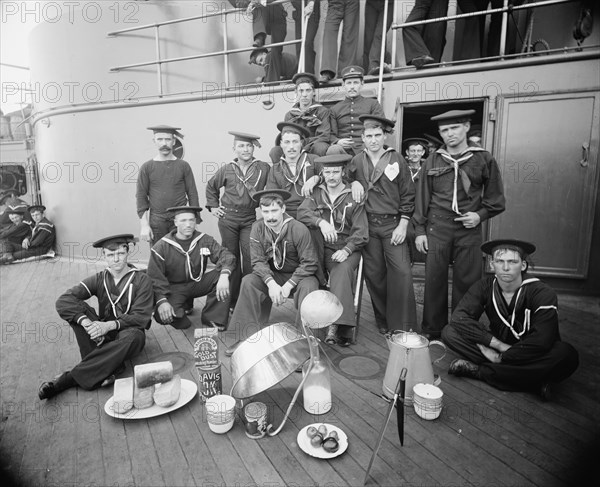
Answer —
411 350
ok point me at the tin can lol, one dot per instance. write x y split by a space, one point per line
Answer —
206 347
209 380
256 419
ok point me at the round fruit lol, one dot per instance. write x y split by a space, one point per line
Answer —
323 430
311 431
330 445
334 435
316 440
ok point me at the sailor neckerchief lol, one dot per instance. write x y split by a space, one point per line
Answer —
301 166
275 252
245 179
454 165
127 289
308 116
332 206
187 253
502 311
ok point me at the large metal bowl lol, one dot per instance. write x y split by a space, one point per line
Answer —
266 358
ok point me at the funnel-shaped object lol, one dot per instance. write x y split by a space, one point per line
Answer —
320 309
266 358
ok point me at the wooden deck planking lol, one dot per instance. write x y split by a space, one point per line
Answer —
484 437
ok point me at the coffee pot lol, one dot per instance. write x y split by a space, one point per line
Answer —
411 350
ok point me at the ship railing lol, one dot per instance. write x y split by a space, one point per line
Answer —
158 61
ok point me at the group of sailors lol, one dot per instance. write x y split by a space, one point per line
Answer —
326 202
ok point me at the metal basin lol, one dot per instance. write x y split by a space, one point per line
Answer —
266 358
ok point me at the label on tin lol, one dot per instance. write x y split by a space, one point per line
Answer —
209 380
206 347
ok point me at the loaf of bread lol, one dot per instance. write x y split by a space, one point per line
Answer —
147 375
167 393
143 397
123 395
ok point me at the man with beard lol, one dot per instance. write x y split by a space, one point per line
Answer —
460 188
284 263
178 268
521 348
343 231
311 115
296 171
346 128
116 332
390 197
163 182
235 208
42 235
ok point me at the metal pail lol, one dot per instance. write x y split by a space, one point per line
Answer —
266 358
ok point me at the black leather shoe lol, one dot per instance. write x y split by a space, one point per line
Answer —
464 368
421 61
47 390
344 342
546 392
229 350
383 330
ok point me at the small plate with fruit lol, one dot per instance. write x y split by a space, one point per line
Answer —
322 440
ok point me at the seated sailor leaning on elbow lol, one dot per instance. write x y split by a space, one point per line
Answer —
116 332
522 349
178 268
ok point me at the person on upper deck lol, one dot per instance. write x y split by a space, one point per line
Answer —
284 263
235 208
346 12
267 20
424 44
373 36
346 127
286 69
460 188
390 201
42 236
341 227
312 10
178 268
113 334
296 170
13 235
310 114
163 182
521 348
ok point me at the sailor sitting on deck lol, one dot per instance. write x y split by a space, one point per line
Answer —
12 236
117 331
42 235
178 268
522 349
284 263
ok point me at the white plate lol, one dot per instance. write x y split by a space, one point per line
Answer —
318 452
188 391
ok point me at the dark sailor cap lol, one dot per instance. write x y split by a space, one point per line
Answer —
305 78
406 143
453 116
114 240
256 52
41 208
293 127
334 160
166 129
15 210
252 139
490 246
353 72
281 193
176 210
387 124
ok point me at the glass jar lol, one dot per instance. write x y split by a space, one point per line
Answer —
316 390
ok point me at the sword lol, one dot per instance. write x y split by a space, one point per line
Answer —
399 388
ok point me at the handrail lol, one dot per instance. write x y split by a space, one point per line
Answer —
184 19
480 13
200 56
